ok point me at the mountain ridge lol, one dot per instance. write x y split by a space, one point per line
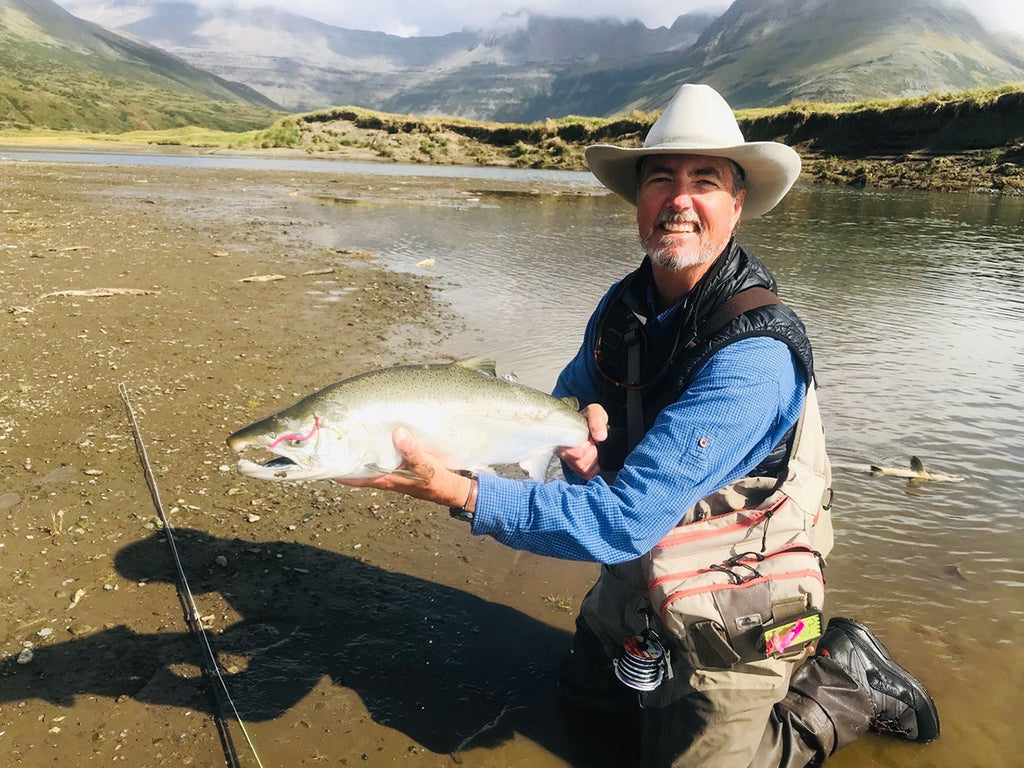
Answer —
527 66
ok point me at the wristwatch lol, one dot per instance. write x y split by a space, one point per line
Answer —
468 508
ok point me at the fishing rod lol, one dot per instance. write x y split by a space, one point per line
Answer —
211 669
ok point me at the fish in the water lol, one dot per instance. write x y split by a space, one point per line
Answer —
916 471
460 412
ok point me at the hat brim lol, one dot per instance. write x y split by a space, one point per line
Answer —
770 169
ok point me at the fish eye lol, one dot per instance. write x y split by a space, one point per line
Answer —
296 443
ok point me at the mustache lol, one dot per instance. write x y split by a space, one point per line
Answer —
681 217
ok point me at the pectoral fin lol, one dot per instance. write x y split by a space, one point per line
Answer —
403 473
537 467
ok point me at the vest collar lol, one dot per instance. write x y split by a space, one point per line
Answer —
734 270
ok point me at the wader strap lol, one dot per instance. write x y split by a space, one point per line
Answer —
634 402
742 302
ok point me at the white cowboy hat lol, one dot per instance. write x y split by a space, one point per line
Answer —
698 121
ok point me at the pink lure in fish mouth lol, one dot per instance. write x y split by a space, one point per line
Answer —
295 437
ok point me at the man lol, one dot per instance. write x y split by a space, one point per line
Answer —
700 402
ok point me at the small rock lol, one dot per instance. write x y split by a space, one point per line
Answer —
252 517
45 632
221 561
25 656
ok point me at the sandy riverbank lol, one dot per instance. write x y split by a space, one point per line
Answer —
353 628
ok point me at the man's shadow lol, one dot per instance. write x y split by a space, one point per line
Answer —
436 663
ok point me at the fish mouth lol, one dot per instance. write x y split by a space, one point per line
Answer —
277 468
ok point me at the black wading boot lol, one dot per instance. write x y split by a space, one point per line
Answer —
902 707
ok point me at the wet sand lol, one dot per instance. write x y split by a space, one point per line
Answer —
353 628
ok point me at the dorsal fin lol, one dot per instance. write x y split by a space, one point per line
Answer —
480 363
916 464
571 402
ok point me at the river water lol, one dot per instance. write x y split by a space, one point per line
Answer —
914 303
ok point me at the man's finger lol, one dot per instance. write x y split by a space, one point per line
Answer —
412 456
597 422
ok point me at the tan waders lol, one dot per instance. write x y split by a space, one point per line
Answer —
743 561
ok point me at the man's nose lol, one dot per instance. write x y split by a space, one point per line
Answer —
681 199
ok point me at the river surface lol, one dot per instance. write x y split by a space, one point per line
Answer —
915 306
914 303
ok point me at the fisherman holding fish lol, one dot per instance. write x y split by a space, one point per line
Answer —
704 486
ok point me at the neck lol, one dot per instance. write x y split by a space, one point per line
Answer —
672 285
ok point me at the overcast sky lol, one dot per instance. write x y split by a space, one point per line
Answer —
436 17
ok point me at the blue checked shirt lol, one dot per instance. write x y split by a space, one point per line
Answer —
741 403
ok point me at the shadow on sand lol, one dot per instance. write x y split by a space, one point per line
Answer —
436 663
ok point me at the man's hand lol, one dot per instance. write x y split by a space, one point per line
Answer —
582 459
437 484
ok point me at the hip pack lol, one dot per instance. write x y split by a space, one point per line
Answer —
740 578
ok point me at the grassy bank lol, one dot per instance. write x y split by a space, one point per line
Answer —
972 140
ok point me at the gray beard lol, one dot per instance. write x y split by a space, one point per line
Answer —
668 260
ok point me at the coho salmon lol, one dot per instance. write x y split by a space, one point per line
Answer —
460 412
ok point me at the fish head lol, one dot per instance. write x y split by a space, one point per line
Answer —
305 447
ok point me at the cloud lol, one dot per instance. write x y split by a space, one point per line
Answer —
438 17
442 16
999 15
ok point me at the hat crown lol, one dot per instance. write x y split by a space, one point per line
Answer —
697 117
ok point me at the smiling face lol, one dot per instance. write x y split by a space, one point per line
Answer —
686 209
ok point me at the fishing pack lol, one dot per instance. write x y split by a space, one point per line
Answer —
740 578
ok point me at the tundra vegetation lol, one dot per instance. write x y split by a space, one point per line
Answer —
968 141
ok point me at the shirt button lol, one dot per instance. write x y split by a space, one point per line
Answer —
703 442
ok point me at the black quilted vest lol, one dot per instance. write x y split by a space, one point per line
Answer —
668 364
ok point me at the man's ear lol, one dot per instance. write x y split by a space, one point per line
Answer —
737 209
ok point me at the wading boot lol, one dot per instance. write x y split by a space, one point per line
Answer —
902 707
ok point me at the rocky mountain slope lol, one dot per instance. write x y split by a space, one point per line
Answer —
773 52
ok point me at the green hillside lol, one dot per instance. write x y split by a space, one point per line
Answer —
62 73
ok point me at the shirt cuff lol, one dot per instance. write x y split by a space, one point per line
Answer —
501 504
